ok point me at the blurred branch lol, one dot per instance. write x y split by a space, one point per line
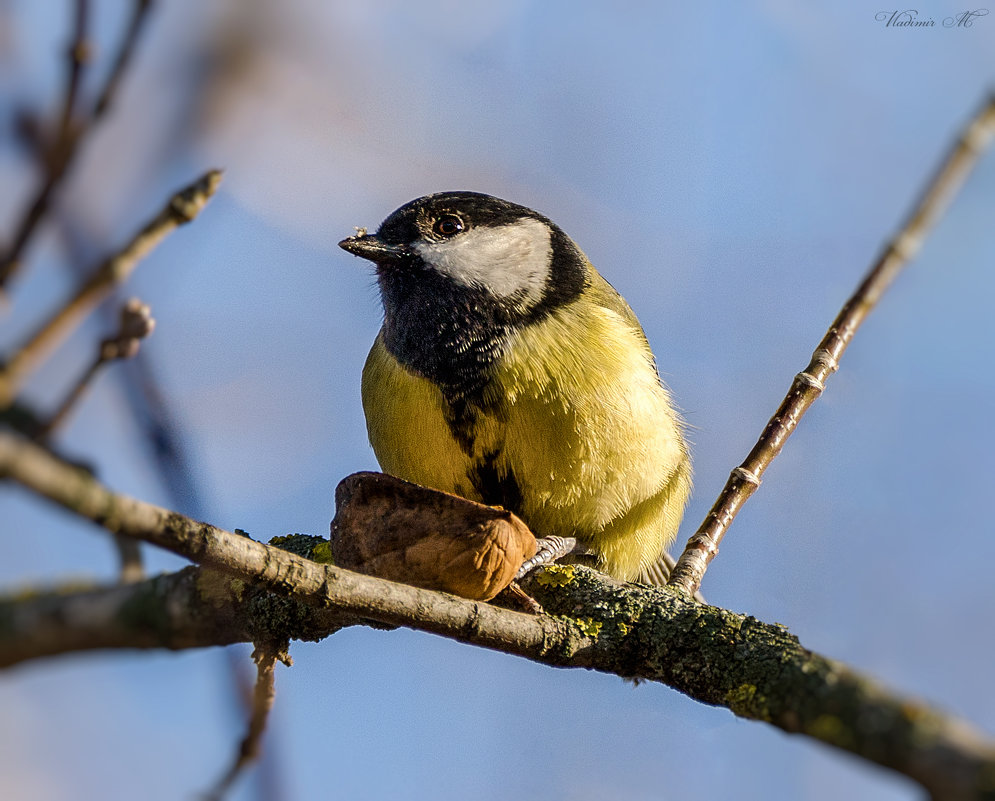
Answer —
148 405
59 153
757 670
263 695
79 56
168 611
744 480
131 567
139 14
168 448
135 323
183 207
62 153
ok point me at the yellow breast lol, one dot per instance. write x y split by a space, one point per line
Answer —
577 416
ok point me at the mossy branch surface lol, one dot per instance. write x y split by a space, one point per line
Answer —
248 591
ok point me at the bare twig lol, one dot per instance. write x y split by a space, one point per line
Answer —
131 566
60 152
264 692
135 322
809 384
70 134
192 608
167 446
757 670
147 403
184 206
139 14
79 56
73 397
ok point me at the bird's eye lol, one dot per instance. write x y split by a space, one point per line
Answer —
447 225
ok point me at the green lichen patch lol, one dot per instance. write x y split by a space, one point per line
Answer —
746 702
588 625
307 545
322 552
555 576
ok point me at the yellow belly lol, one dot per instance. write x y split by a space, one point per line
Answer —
586 430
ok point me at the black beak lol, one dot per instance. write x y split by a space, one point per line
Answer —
370 246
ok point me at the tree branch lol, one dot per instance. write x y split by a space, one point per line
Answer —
139 14
757 670
168 611
809 384
59 153
263 694
70 136
181 208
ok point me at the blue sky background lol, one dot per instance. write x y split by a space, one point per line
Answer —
732 170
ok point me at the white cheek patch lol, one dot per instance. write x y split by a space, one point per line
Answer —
508 261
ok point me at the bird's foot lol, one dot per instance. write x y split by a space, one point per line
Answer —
548 550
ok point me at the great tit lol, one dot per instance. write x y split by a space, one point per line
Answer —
509 372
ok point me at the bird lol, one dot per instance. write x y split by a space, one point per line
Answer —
509 372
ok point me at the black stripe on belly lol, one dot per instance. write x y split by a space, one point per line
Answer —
464 418
495 489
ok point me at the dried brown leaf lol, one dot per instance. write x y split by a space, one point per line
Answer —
404 532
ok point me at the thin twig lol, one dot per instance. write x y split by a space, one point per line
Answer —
194 607
758 670
183 207
139 14
60 153
72 398
809 384
131 565
79 56
263 694
142 386
169 450
72 133
135 323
